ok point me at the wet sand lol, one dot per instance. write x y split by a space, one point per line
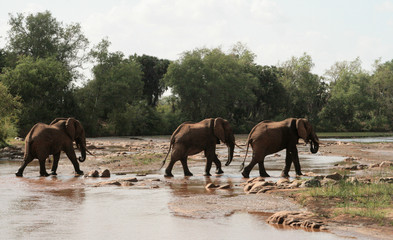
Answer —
68 207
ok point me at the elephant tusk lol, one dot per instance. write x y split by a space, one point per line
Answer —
239 146
90 153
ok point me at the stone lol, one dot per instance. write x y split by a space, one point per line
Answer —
335 176
257 187
311 183
305 220
353 180
105 173
386 179
295 184
211 186
283 181
265 189
385 164
225 186
93 173
374 165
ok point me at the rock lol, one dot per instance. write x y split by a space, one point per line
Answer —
386 179
296 219
327 181
129 180
93 173
225 186
265 189
374 165
385 164
353 180
335 176
105 173
283 181
257 187
295 184
311 183
211 186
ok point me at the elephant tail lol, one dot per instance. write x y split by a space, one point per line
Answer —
170 147
248 144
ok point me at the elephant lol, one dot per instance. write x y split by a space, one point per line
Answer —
192 138
44 140
269 137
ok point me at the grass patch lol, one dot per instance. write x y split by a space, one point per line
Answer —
367 200
353 134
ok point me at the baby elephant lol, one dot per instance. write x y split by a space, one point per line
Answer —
269 137
192 138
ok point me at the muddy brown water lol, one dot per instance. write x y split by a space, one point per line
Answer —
68 207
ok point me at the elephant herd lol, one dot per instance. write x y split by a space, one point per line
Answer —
267 137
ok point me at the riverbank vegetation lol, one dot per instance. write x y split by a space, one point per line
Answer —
42 62
370 200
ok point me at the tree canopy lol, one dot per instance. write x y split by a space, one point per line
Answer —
39 68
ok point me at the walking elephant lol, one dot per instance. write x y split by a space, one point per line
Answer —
269 137
44 140
192 138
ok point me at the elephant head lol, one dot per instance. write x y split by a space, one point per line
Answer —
223 131
306 132
76 132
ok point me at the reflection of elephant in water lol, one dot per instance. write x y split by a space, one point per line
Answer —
192 138
44 140
268 137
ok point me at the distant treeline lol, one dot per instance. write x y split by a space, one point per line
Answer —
40 79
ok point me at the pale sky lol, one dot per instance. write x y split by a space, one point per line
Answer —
275 30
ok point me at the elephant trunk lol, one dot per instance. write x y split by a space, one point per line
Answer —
82 148
314 144
231 148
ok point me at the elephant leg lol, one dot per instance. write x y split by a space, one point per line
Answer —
26 161
55 163
43 172
296 163
168 170
72 156
217 162
210 157
185 167
256 158
262 171
288 163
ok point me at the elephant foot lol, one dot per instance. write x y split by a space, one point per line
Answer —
246 175
53 173
299 173
44 174
284 175
168 175
79 173
264 175
207 174
219 171
19 174
189 174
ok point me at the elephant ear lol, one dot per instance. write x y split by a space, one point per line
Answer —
70 127
302 128
57 120
219 131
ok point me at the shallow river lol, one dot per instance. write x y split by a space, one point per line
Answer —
67 207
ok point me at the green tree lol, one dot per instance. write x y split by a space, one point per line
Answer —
210 83
270 94
350 104
44 88
41 36
306 92
9 109
117 83
382 90
153 71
